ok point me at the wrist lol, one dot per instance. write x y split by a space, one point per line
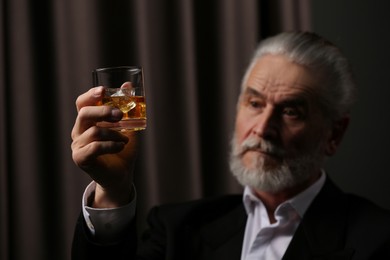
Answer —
112 197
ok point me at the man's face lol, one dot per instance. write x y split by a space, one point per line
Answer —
281 133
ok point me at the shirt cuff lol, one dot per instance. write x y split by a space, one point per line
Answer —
106 224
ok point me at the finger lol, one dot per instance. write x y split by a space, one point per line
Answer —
128 88
102 134
88 117
90 98
97 141
127 85
86 156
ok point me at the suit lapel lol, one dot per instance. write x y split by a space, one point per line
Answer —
321 234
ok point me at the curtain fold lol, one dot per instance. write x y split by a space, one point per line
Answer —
194 53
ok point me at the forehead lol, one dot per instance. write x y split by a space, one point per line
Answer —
276 76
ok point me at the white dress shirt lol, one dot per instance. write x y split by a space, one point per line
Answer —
262 239
106 225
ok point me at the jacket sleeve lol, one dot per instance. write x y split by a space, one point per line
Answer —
84 248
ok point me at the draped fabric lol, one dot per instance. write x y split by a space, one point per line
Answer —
194 53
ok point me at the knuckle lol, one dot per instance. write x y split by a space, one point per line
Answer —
83 113
78 102
73 135
77 157
94 148
94 132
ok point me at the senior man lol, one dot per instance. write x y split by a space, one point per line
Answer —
292 112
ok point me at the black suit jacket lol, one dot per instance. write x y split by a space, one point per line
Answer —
335 226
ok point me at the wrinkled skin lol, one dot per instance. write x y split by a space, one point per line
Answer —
106 155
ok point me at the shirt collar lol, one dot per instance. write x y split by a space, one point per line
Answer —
300 202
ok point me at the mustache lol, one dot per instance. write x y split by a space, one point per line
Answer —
258 144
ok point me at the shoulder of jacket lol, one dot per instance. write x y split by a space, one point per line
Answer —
203 209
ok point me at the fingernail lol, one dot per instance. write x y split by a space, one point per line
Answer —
98 91
116 113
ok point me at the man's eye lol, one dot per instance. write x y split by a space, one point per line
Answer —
254 104
291 112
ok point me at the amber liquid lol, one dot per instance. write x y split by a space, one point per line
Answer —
131 106
134 112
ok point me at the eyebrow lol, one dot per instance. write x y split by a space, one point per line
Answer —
295 100
252 91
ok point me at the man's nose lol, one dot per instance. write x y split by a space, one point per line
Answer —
266 125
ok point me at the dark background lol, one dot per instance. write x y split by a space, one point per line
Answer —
194 53
361 29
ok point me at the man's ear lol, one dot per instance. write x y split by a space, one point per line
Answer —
337 132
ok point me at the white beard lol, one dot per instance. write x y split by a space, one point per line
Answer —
261 176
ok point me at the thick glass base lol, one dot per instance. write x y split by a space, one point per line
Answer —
131 124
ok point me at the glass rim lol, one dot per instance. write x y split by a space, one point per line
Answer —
118 68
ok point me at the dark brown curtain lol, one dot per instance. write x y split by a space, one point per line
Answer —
194 53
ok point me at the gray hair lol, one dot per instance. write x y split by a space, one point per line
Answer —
312 51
